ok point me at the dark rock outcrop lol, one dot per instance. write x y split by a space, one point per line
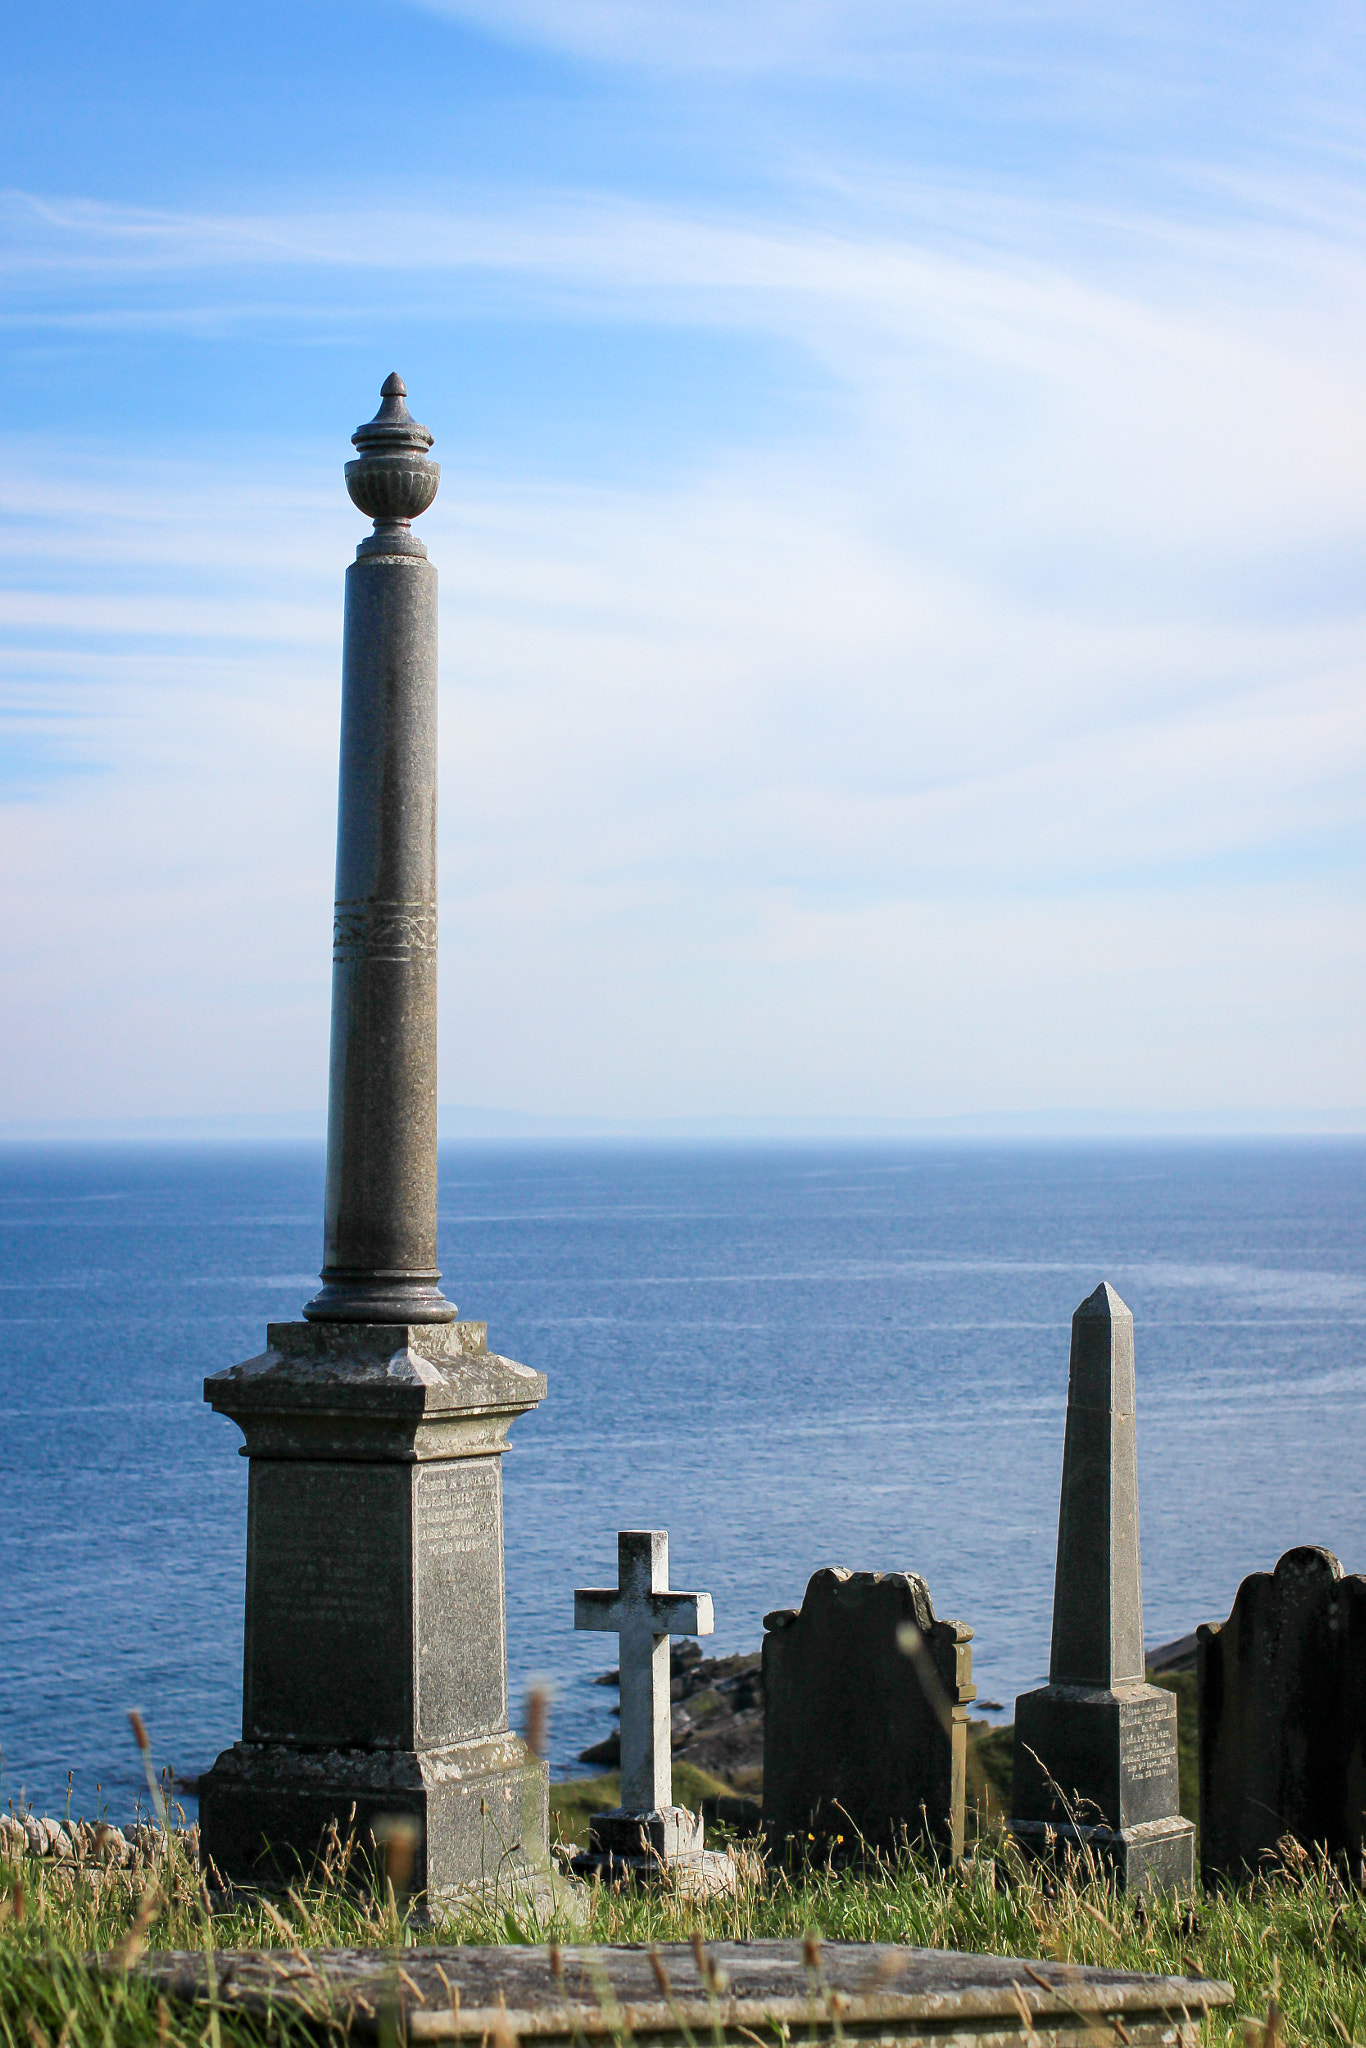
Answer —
717 1713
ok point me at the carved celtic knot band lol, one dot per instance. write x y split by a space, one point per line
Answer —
381 930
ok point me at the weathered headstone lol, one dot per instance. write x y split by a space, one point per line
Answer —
1095 1749
1282 1689
647 1829
741 1994
865 1716
375 1664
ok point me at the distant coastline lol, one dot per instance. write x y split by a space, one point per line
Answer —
460 1124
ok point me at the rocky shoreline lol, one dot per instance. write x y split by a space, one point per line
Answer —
717 1720
716 1715
84 1841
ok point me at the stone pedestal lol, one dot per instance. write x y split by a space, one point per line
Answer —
1095 1749
375 1658
1118 1793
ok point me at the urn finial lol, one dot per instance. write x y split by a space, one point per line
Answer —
392 482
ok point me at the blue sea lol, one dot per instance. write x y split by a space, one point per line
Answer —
788 1358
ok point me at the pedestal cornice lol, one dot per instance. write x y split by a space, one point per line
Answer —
406 1391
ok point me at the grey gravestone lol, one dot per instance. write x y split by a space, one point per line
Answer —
375 1659
647 1829
741 1994
865 1716
1095 1749
1282 1688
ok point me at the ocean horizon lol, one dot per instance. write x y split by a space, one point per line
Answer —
459 1123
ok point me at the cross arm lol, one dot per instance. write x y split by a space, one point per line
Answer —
682 1614
670 1614
599 1607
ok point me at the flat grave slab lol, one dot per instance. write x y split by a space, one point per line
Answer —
742 1993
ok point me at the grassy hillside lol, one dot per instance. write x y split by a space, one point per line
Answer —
1298 1938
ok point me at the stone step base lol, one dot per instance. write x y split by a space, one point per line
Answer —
707 1875
266 1811
1158 1856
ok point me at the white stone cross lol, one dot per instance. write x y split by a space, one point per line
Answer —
644 1613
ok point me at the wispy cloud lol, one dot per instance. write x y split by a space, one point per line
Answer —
709 36
1210 351
962 715
1062 51
722 730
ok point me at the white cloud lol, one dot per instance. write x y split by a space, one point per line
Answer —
745 809
1059 53
1134 381
994 739
710 35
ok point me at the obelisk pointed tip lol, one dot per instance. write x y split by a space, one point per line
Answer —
1105 1304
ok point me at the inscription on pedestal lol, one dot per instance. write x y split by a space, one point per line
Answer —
461 1630
327 1657
1147 1740
1147 1748
457 1508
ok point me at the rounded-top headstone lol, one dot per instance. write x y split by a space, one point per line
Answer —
392 480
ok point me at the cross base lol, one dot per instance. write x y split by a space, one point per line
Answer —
669 1833
662 1845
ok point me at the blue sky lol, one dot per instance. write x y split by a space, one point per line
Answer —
902 542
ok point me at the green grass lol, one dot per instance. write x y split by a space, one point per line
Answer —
1299 1937
991 1758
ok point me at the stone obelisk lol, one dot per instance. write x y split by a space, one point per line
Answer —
375 1657
1095 1749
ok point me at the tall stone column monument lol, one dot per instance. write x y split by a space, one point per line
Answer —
375 1660
1095 1749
